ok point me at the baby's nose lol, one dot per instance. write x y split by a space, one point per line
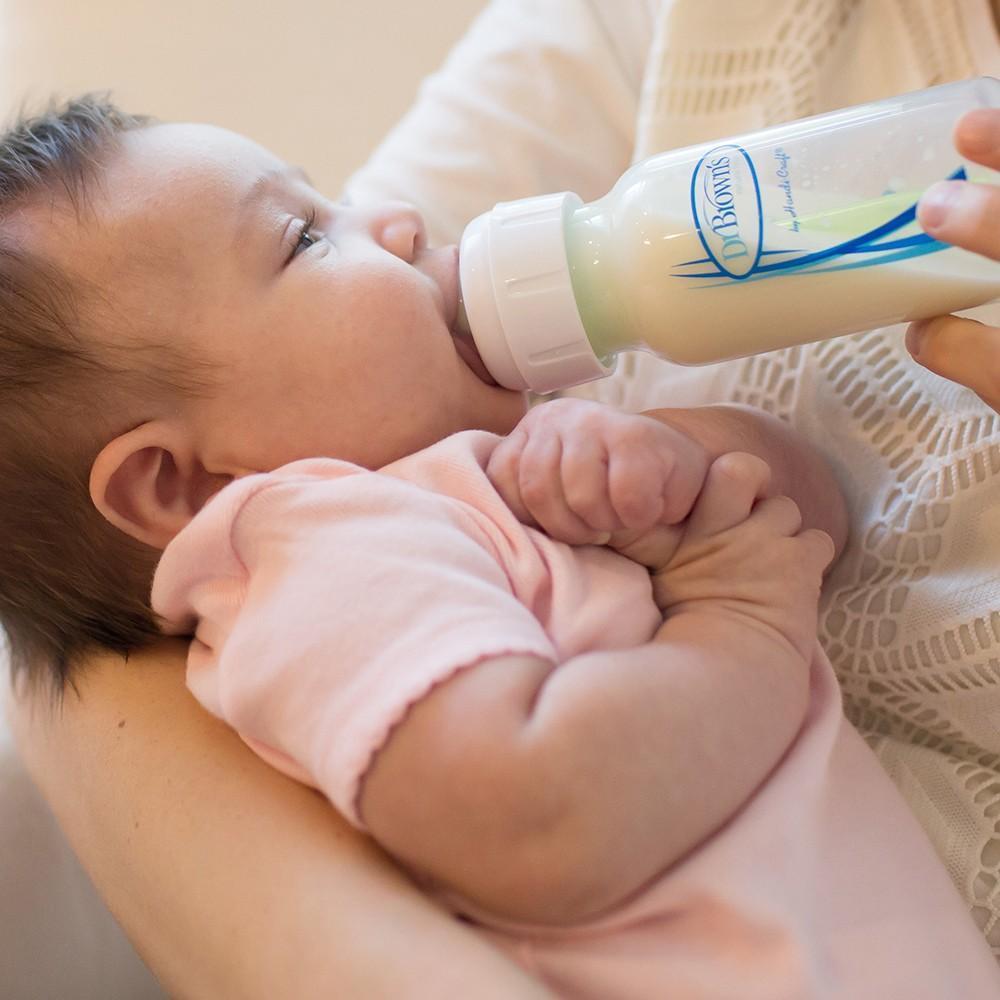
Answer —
399 227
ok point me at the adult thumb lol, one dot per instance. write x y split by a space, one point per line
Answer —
961 350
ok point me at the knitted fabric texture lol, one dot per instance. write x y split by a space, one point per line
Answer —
911 615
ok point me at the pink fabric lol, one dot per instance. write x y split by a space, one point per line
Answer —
823 887
327 599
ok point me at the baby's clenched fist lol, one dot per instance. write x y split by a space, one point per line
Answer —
583 472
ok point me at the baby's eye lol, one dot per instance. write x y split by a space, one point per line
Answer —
305 240
306 236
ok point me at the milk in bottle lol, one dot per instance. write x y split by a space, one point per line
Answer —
792 234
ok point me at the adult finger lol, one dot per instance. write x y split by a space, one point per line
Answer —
962 350
964 214
977 136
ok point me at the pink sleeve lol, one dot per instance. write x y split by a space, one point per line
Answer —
340 602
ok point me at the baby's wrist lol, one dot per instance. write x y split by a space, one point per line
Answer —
728 619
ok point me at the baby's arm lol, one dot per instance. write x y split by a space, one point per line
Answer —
549 795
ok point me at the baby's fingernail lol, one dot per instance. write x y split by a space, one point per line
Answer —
938 202
603 538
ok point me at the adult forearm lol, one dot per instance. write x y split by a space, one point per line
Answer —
232 880
797 470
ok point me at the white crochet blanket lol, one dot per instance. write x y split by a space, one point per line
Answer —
911 615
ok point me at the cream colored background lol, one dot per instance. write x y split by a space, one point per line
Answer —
317 82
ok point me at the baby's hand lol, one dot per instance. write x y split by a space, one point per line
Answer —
582 472
747 557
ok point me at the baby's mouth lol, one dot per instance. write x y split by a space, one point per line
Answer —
465 344
466 348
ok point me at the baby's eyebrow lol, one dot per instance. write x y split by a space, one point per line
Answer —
264 183
268 180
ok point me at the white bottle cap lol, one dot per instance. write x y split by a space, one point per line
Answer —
518 296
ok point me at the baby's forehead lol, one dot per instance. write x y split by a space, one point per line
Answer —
170 190
170 163
155 214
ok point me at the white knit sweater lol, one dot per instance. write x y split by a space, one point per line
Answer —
543 96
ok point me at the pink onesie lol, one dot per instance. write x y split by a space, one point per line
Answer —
326 599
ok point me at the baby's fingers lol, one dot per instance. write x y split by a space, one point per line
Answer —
637 478
653 548
733 485
820 550
503 470
541 489
962 350
585 483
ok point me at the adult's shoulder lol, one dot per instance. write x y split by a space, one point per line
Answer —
629 27
534 98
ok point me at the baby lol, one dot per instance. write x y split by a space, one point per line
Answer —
561 663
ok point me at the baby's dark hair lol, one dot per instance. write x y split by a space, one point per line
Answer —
69 581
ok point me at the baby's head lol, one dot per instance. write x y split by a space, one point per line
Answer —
178 308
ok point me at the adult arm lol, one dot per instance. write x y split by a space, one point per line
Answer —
232 880
537 97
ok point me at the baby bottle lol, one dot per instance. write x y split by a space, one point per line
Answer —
789 235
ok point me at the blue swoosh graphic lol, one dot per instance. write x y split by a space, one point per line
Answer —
914 251
919 244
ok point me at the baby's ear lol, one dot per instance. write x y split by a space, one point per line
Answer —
149 483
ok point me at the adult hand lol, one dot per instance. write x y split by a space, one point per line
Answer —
966 215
